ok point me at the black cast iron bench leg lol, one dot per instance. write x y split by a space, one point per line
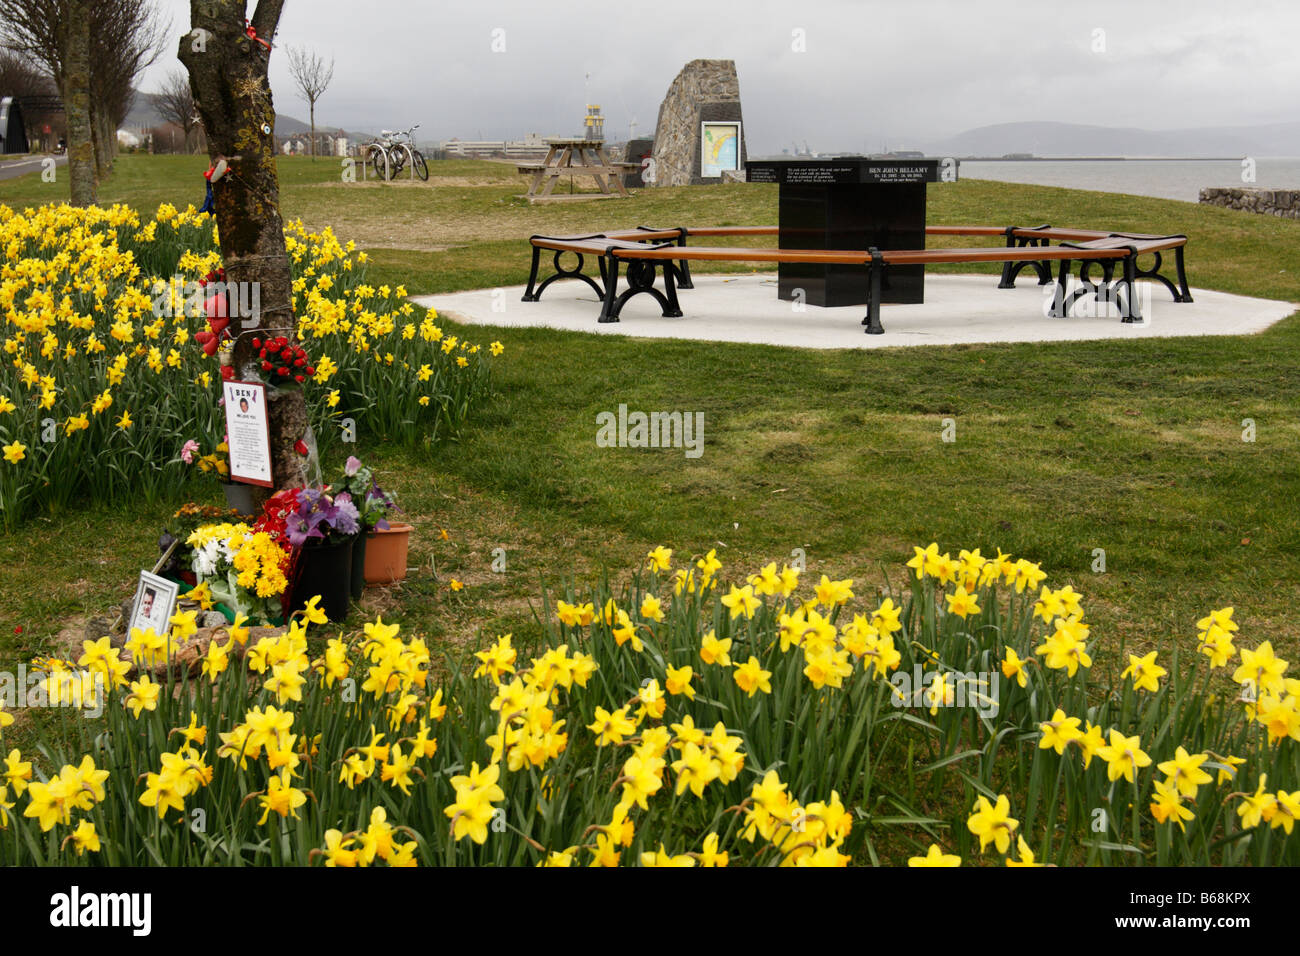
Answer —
1042 267
1184 292
1130 310
609 269
640 279
683 267
1180 292
875 279
1122 292
1059 309
1100 291
531 295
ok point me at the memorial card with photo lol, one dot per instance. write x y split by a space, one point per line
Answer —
155 597
248 434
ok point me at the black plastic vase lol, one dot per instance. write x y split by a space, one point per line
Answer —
358 566
325 570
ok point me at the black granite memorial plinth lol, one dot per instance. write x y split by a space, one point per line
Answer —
849 203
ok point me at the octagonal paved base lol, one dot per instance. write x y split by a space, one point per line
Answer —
957 309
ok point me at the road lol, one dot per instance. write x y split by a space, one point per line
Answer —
30 164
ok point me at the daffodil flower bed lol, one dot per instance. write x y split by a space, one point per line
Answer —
684 720
102 383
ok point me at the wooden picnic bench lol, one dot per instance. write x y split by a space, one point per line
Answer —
648 251
574 157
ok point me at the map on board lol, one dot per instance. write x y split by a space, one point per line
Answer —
719 148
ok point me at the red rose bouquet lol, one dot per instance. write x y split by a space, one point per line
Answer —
282 362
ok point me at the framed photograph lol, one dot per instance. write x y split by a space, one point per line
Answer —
248 432
719 149
155 600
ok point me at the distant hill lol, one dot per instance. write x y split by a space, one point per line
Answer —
145 114
1073 139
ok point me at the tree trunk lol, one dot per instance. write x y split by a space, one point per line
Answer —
228 76
76 101
110 143
312 108
100 138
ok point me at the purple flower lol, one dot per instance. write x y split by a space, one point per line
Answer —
345 517
317 516
300 530
352 465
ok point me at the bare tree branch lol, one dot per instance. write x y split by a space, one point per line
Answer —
175 102
313 77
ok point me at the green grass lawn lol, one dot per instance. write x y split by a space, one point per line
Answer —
1061 449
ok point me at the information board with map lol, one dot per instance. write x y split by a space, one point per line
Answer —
719 149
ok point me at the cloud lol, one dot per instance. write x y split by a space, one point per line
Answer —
873 73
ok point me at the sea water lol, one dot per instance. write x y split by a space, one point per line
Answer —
1164 178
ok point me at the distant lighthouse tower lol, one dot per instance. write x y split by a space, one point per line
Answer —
595 123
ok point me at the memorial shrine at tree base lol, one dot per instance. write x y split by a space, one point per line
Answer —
848 203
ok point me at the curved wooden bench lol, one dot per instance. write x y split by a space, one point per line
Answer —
645 250
1016 237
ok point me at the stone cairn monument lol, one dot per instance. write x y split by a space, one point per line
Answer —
704 91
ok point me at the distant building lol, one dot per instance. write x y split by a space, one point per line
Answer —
327 144
532 146
594 124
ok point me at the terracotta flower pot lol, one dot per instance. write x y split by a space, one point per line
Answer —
386 554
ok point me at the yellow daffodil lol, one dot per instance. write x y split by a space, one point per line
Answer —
934 857
992 823
751 678
1124 756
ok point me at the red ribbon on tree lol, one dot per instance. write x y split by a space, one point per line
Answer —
252 35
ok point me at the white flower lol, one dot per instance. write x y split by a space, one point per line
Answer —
205 558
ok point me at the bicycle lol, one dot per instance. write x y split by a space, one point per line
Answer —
404 148
389 153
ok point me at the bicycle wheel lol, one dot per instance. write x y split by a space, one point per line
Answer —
421 167
379 160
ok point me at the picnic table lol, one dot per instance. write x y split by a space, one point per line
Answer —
575 157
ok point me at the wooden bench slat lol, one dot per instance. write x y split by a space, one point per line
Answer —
1142 246
965 231
728 254
1058 233
649 234
1017 254
733 231
597 245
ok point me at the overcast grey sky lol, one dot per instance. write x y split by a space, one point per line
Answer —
872 73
